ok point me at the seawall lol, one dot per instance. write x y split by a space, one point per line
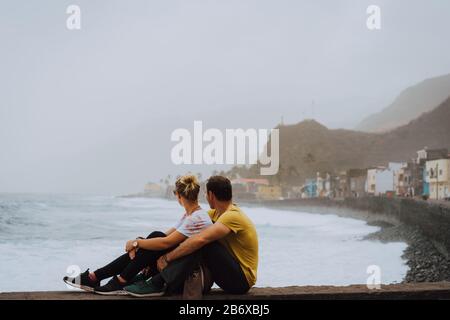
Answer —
432 219
437 290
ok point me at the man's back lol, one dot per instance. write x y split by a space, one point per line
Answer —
242 241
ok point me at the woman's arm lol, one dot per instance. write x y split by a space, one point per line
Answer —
170 231
161 243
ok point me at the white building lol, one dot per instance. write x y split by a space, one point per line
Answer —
382 179
398 171
438 176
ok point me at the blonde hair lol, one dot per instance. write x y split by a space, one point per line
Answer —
188 187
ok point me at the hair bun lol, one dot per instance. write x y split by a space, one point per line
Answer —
189 179
190 182
188 186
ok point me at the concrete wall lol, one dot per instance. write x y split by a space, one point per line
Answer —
431 218
436 290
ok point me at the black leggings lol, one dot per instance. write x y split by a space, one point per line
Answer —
128 268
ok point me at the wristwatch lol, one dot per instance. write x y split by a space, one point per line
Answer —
135 244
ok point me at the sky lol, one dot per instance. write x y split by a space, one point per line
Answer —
92 110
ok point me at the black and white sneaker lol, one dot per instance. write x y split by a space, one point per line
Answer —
113 287
82 281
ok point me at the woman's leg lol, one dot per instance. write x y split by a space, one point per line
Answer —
113 268
124 263
144 258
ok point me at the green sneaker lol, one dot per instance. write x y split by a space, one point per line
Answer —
144 289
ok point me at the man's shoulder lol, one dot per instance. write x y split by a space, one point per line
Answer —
234 208
234 212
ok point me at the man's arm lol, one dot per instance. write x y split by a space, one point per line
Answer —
192 244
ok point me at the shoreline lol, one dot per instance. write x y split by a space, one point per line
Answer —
426 263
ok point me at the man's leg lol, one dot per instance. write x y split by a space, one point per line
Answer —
225 270
172 276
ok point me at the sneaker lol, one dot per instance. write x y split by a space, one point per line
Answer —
113 287
144 289
82 281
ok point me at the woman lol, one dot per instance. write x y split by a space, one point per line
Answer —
144 253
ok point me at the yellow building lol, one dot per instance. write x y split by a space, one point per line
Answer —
267 192
153 190
438 177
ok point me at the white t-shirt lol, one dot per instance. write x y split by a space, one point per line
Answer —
192 224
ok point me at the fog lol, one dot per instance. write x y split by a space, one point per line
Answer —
92 110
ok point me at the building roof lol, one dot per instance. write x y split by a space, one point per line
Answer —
356 172
433 154
248 181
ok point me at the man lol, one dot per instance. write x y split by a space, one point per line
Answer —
229 248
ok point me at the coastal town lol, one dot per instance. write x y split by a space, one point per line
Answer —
427 177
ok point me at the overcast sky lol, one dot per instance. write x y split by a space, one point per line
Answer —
92 110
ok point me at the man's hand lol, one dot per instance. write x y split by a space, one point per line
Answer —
162 263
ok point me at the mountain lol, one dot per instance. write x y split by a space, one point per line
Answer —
309 147
409 105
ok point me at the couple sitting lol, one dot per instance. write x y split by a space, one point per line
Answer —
223 239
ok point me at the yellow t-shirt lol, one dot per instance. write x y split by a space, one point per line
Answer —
242 242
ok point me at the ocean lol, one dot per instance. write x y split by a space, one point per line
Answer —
44 237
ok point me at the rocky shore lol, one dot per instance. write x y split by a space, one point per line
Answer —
426 263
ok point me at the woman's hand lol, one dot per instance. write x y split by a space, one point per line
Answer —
129 245
132 254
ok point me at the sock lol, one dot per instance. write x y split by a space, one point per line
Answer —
92 276
124 281
158 281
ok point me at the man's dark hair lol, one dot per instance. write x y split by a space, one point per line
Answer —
220 187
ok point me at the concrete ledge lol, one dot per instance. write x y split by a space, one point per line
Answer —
437 290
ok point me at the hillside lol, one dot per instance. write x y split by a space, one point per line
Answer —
308 147
409 105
